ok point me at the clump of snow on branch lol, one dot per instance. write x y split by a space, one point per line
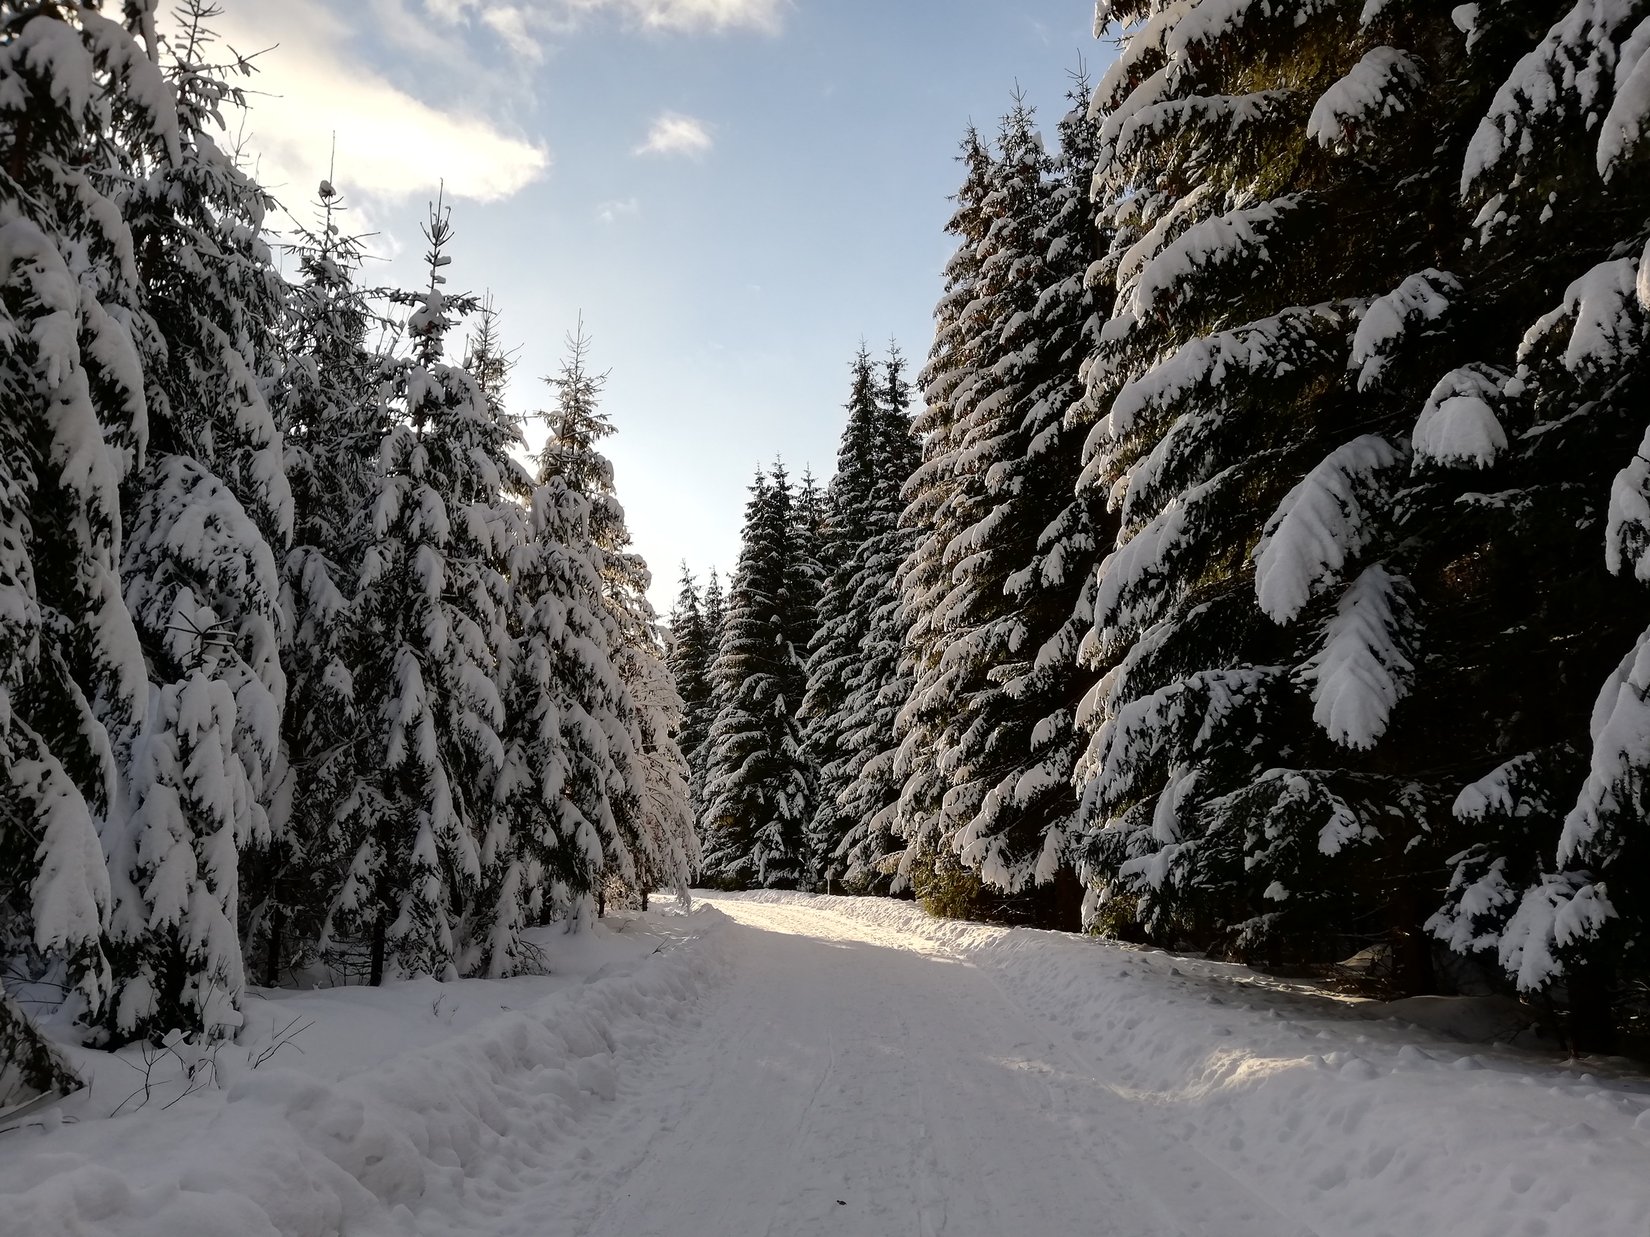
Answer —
1320 524
1618 783
1378 86
1627 526
1364 667
1568 75
1458 424
1238 238
1623 129
1422 299
1603 315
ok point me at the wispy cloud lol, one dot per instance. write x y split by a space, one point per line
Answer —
513 24
524 24
698 14
625 208
675 134
390 144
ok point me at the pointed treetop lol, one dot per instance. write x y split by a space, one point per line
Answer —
435 311
577 422
485 356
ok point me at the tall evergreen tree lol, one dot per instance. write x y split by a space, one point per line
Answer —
560 694
834 652
73 685
207 516
691 653
934 494
1287 702
651 839
325 405
877 683
1209 388
994 705
715 614
509 886
1528 440
977 750
1027 554
427 623
759 779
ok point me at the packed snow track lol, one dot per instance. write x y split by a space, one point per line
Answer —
787 1065
850 1081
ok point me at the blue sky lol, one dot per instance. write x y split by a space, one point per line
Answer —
791 198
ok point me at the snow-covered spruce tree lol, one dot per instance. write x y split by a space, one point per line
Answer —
510 884
551 809
933 494
1002 692
331 422
83 97
759 781
427 621
834 653
1026 556
691 652
724 839
986 448
650 842
1226 787
670 853
715 612
1542 437
206 516
612 793
815 549
877 685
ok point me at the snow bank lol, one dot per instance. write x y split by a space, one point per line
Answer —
1350 1115
377 1111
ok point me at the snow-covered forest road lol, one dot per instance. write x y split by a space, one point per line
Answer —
785 1065
853 1080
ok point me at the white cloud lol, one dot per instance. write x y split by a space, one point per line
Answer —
625 208
390 144
675 134
699 14
511 24
522 22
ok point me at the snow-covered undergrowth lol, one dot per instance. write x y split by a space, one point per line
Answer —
354 1110
1359 1119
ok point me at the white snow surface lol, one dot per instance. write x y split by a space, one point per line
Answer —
784 1064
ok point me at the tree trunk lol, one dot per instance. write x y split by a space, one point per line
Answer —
376 975
1411 945
272 953
1591 1020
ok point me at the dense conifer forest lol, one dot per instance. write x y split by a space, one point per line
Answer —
306 667
1255 565
1267 577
